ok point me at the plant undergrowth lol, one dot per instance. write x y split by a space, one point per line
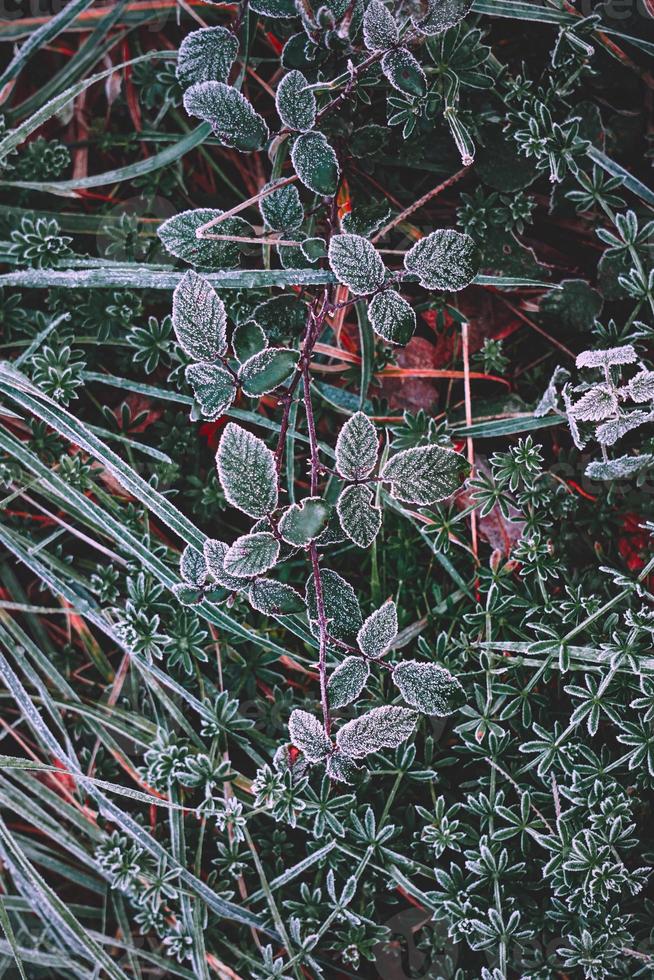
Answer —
326 585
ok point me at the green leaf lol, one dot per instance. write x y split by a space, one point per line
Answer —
206 55
391 317
347 682
356 448
379 630
424 475
428 687
380 31
215 553
295 102
446 259
404 72
308 735
246 469
267 370
214 388
441 15
178 237
192 566
341 605
356 263
199 318
303 522
359 519
619 469
315 163
381 728
282 209
340 768
276 9
275 598
232 118
252 554
248 339
281 316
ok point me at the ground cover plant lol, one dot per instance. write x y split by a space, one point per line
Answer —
326 584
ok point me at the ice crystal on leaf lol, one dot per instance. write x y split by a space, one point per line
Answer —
246 468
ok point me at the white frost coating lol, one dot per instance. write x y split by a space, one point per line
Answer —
404 72
267 370
356 263
199 318
441 15
609 432
282 209
641 386
231 116
616 469
605 358
274 598
308 735
252 554
356 448
303 522
446 259
206 55
347 682
341 605
382 728
296 104
379 630
178 236
597 404
380 31
192 566
315 163
359 519
213 387
428 687
391 317
214 554
246 470
424 475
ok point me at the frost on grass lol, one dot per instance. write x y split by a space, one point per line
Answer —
213 387
381 728
206 55
424 475
178 236
428 687
296 103
356 448
308 735
380 31
391 317
199 318
282 209
303 522
275 598
356 263
246 469
341 605
252 554
267 370
230 115
359 518
379 630
446 259
315 163
347 682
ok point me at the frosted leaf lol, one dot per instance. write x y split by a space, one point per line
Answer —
550 399
641 386
340 768
605 358
267 370
252 554
379 630
213 387
275 598
303 522
295 102
617 469
428 687
446 259
359 518
572 422
391 317
356 263
609 432
356 448
206 55
277 9
379 28
199 318
308 735
192 566
441 15
214 555
178 237
424 475
247 340
381 728
597 404
284 314
315 163
188 595
404 72
246 469
232 118
282 209
341 606
347 682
